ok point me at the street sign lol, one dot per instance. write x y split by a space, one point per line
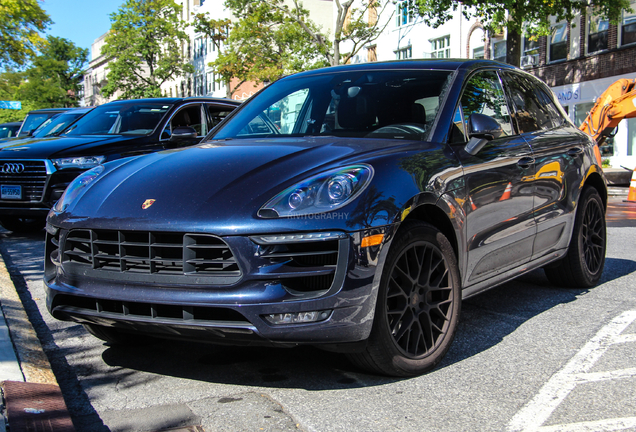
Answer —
15 105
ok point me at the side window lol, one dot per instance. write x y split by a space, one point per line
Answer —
483 94
534 109
215 115
189 115
457 134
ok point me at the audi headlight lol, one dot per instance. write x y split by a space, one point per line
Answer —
76 188
80 162
321 193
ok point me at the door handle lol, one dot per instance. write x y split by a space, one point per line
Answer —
575 151
525 162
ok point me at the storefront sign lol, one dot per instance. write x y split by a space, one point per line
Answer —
566 96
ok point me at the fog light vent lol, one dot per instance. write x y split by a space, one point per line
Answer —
297 317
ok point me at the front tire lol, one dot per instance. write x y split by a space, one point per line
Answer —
583 264
418 305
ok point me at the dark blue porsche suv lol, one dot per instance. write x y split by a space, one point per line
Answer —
351 208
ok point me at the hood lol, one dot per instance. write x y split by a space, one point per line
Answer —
214 183
54 147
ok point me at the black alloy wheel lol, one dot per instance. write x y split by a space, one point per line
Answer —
583 264
418 304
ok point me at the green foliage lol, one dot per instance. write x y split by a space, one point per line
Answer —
9 82
265 43
518 16
51 81
145 48
215 29
21 22
273 38
54 78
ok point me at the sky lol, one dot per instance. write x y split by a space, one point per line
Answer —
81 21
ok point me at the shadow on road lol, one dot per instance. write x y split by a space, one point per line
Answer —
486 319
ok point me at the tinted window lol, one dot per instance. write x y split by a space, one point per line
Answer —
32 121
120 119
189 116
217 114
483 94
534 109
398 104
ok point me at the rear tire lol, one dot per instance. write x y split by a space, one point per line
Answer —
583 264
22 225
418 305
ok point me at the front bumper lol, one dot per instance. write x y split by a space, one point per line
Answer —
100 279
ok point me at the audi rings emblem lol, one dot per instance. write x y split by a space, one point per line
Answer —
12 168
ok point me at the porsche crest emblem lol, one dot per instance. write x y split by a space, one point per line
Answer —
147 203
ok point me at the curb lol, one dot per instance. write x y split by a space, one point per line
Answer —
37 404
33 361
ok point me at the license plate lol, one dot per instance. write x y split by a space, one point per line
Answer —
10 192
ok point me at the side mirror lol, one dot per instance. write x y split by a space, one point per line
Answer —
183 133
481 129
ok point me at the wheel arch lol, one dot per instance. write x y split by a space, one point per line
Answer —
596 181
435 216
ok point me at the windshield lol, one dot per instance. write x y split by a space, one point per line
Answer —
32 121
56 124
120 119
397 104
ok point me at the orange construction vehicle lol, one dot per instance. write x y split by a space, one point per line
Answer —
616 103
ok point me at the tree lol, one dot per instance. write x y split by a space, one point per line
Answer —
144 46
10 81
272 38
21 22
531 17
54 78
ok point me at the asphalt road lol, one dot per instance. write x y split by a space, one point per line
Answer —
527 356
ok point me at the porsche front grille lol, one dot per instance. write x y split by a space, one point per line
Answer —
146 255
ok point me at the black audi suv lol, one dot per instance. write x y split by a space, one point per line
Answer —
34 172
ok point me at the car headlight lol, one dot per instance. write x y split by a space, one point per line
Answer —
81 162
76 188
321 193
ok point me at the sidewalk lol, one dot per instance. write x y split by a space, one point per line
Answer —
31 398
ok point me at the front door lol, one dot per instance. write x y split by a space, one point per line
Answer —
500 227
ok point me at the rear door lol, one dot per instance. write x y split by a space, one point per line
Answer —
558 152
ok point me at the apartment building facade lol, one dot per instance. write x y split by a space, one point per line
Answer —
578 61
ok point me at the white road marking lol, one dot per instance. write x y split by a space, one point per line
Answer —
593 426
532 416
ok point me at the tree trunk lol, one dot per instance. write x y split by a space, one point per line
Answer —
513 45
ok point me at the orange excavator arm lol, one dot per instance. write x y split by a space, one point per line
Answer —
616 103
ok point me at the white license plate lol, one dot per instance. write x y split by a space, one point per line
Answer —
10 192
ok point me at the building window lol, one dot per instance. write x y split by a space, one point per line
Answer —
404 13
478 53
404 53
530 51
558 42
628 27
440 48
598 29
499 51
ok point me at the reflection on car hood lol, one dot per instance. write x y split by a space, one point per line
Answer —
52 147
214 182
